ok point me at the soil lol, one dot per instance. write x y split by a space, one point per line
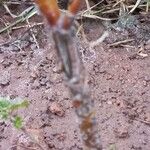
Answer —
118 79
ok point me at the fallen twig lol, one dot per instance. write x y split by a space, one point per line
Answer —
21 18
120 42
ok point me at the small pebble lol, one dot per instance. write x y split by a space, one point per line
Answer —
56 109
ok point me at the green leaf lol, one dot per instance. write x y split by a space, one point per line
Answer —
16 106
7 107
17 122
4 115
4 104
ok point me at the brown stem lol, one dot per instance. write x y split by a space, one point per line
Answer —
73 69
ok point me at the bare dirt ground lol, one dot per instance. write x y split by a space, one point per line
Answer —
118 78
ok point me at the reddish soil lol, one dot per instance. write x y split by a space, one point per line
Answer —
118 78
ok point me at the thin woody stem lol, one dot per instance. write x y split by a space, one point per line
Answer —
75 73
74 6
75 81
50 9
61 43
